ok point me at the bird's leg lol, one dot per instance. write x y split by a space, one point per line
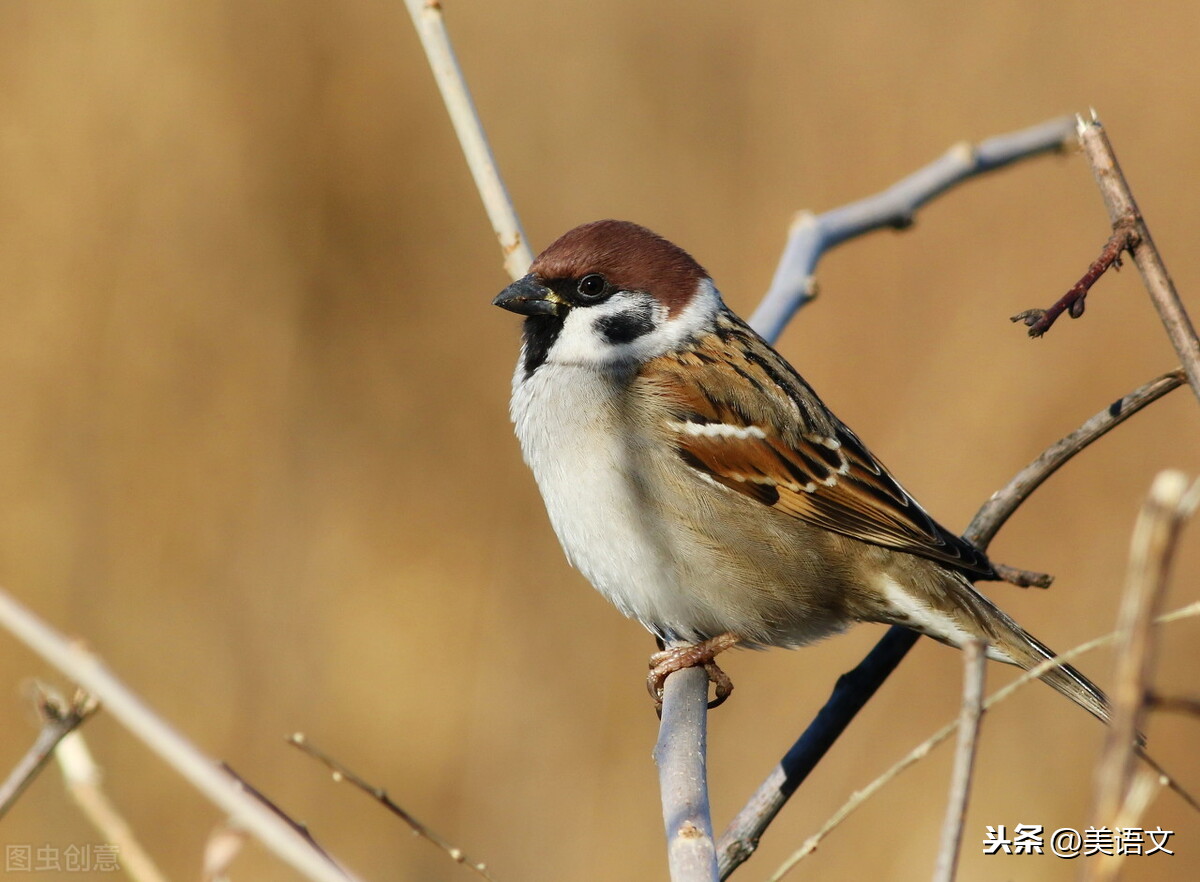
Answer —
694 655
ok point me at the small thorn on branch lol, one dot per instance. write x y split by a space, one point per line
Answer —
1124 238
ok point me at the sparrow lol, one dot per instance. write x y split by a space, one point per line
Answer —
702 486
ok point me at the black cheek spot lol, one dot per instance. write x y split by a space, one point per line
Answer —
625 327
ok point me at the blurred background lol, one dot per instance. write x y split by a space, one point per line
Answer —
255 448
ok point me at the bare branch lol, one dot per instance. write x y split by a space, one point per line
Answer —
855 688
341 773
58 721
974 671
431 27
82 778
811 235
1171 500
87 669
1119 201
682 777
997 510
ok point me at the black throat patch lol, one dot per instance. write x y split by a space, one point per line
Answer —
540 333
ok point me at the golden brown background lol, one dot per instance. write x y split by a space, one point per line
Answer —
255 448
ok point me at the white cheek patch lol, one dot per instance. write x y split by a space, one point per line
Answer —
631 326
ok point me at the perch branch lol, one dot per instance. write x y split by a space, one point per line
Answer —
341 773
1118 199
811 235
974 672
435 40
854 689
682 777
58 721
86 669
922 750
1171 500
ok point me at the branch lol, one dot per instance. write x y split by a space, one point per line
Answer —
682 778
1118 199
86 669
853 690
812 235
341 773
922 750
1171 500
431 27
974 670
992 516
58 721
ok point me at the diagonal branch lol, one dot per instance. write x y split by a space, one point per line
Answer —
431 28
341 773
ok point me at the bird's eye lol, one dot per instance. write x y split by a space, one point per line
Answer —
592 286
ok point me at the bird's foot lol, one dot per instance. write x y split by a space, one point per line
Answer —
695 655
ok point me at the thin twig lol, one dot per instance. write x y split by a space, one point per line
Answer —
682 780
922 750
997 510
87 669
1124 238
341 773
974 672
853 690
431 27
1119 201
1171 500
58 721
812 235
82 778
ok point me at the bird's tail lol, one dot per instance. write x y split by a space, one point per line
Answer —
974 616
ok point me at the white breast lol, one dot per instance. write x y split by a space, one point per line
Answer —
587 464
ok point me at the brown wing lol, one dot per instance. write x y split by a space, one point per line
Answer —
763 432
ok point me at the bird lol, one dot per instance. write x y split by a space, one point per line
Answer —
700 484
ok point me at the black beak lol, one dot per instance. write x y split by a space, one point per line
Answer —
528 296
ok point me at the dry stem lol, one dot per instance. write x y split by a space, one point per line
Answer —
1171 500
974 672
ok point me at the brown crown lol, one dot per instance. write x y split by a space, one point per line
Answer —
629 256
